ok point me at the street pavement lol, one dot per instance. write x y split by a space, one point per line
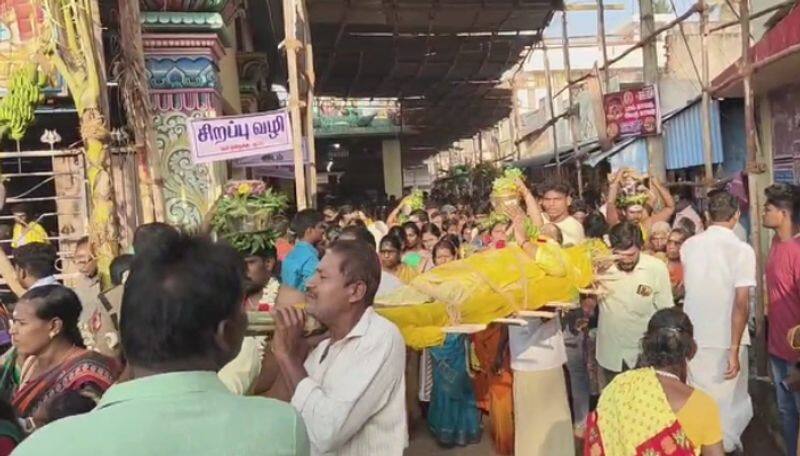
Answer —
755 439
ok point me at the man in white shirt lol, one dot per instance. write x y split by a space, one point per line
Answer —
719 271
35 265
555 202
350 389
638 287
542 421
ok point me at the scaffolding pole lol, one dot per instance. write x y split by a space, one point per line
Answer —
551 104
705 105
642 43
310 79
755 168
601 36
655 146
573 116
293 45
514 124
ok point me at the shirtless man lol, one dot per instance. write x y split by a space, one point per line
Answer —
637 213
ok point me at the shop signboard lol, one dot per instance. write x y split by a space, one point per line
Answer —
632 113
231 137
784 171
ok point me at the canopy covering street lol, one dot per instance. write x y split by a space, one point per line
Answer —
443 58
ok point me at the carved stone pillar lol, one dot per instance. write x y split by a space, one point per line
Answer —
182 52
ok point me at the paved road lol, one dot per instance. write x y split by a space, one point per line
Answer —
423 444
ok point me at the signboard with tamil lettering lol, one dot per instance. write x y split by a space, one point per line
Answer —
632 113
231 137
272 159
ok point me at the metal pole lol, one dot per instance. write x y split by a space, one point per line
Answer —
552 106
573 116
705 107
655 146
601 35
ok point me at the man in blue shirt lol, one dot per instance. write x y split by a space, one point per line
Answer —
302 261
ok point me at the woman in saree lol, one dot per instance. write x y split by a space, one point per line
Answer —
430 235
453 415
391 249
651 410
493 382
47 341
414 254
10 432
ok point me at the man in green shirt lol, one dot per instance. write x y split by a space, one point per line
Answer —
182 320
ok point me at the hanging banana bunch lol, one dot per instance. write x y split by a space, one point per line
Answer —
25 91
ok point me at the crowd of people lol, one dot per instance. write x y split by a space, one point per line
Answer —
653 360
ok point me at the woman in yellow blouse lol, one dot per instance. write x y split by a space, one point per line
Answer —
651 410
26 230
391 249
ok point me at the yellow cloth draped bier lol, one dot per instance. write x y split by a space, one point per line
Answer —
491 284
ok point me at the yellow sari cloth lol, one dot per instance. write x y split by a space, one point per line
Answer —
491 284
634 417
406 273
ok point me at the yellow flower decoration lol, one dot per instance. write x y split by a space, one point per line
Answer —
244 189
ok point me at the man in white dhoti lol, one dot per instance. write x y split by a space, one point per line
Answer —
719 271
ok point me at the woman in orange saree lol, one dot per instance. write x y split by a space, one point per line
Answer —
493 385
651 411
